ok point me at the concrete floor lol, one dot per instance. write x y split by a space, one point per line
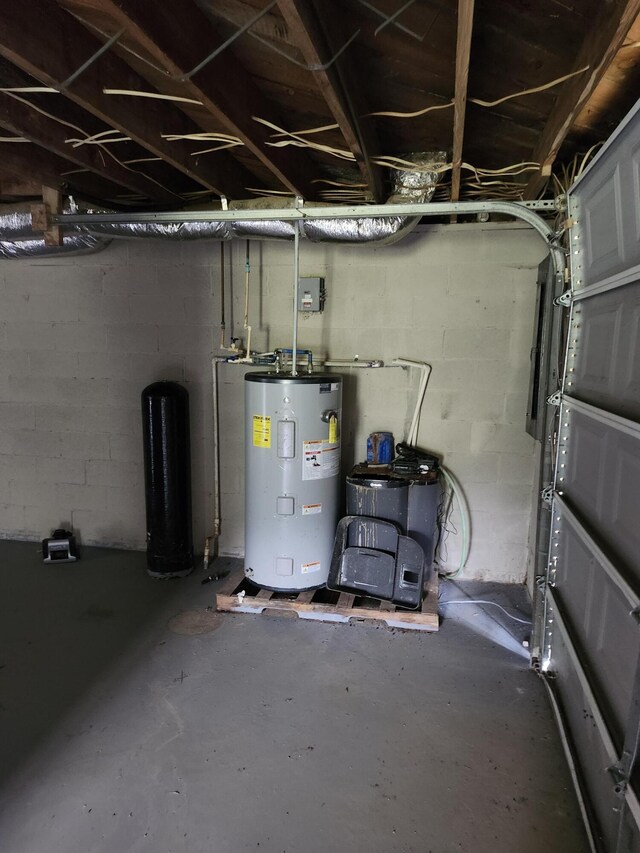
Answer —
121 732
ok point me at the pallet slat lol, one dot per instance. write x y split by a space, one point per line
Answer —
347 606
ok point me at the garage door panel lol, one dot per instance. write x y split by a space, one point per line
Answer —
601 481
606 357
630 833
598 615
592 629
605 205
603 220
593 756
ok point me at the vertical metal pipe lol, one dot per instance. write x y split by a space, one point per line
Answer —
296 277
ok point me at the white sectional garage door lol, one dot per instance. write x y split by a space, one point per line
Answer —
592 628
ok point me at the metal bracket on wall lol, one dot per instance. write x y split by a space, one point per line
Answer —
554 399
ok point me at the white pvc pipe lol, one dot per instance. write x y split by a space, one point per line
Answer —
412 436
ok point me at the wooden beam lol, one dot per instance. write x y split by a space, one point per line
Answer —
20 119
604 38
339 87
50 44
26 163
463 56
52 200
178 35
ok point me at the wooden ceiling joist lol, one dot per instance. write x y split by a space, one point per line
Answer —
179 36
50 45
463 56
604 39
25 163
19 118
342 95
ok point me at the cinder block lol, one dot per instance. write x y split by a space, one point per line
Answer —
41 520
156 308
14 363
54 364
497 562
124 279
30 442
444 436
17 416
499 497
516 467
94 528
187 280
500 438
473 467
17 468
111 308
136 338
11 520
114 473
78 445
29 336
510 528
59 470
79 337
471 405
185 339
42 494
125 448
154 367
83 496
161 252
103 365
486 343
515 408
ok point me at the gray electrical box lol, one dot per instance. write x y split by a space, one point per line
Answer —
311 294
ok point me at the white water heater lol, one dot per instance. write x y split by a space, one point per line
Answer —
292 478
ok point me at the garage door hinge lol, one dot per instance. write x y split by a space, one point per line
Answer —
635 613
547 494
620 776
554 399
564 300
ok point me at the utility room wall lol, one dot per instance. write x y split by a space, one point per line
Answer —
81 337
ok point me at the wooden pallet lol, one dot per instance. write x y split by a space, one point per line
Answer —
326 606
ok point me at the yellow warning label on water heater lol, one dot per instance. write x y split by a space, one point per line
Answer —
333 429
261 431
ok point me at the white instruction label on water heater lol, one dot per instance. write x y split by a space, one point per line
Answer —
311 509
320 459
306 568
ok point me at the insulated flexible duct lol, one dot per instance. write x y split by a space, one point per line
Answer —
412 185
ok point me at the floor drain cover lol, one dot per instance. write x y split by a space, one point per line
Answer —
195 622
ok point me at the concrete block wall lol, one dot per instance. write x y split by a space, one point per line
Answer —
80 338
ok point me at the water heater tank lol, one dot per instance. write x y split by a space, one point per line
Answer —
292 478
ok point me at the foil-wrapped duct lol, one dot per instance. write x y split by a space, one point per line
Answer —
15 222
72 244
266 229
178 231
418 184
382 231
410 185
